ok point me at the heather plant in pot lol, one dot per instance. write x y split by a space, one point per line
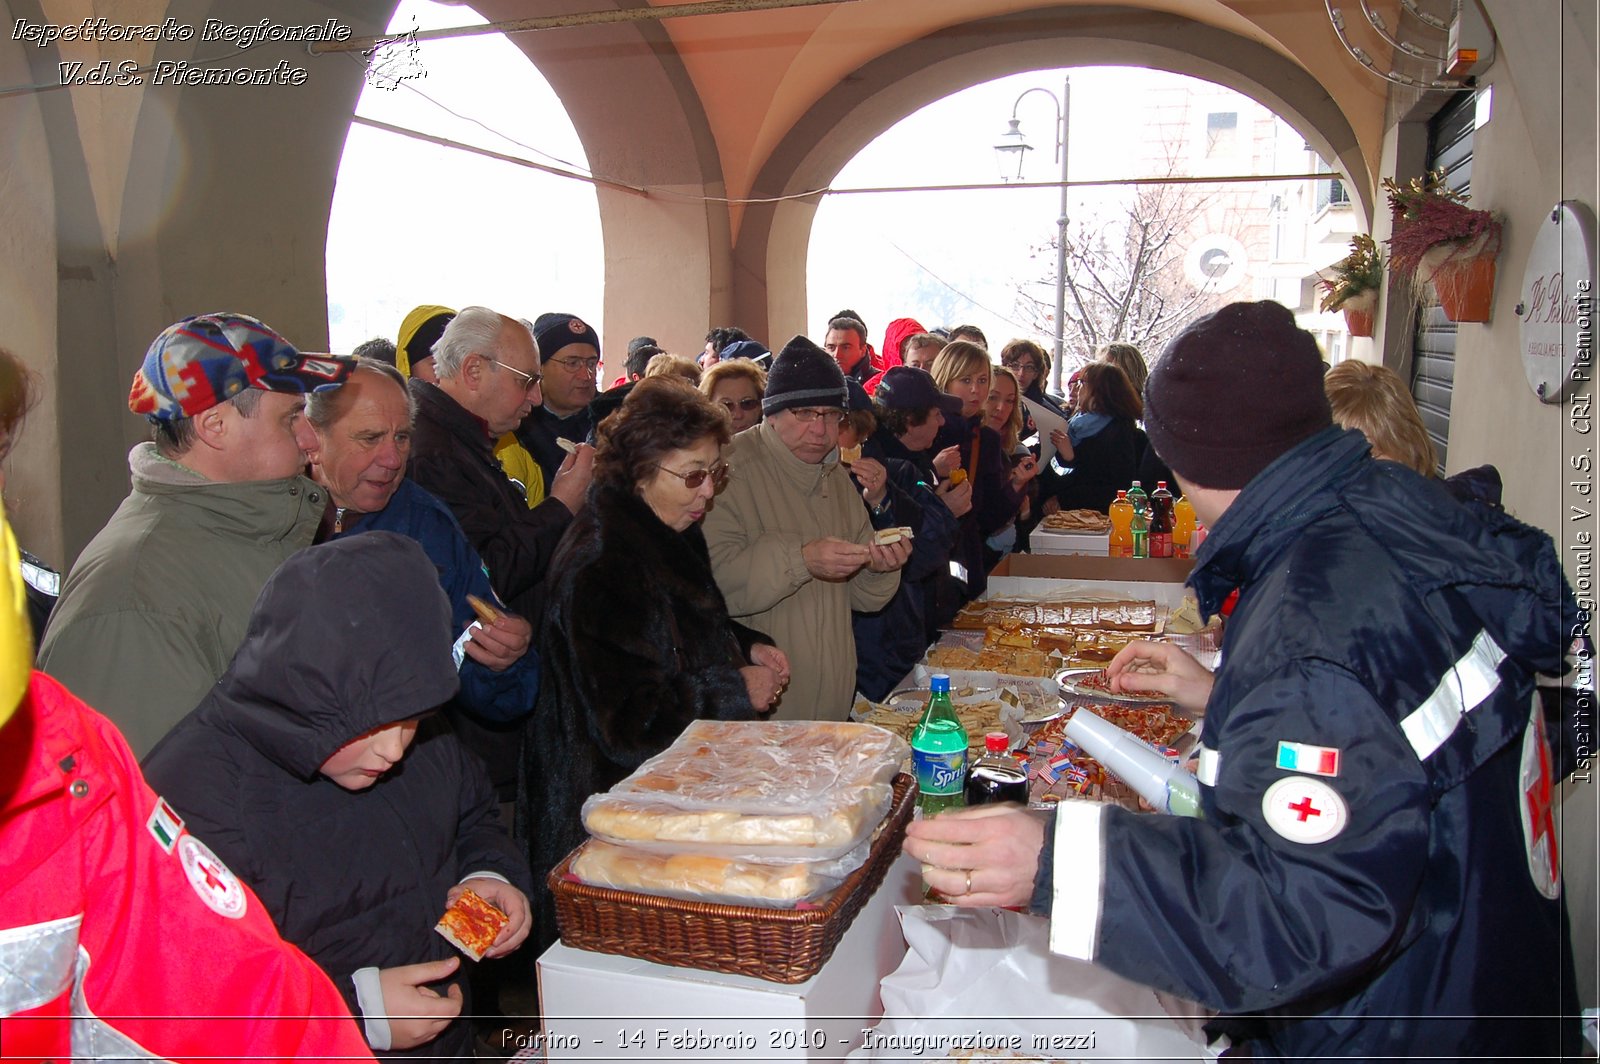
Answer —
1438 239
1354 284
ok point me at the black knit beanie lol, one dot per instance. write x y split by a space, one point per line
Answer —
552 332
804 375
1232 392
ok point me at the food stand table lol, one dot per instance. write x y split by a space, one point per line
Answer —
599 1006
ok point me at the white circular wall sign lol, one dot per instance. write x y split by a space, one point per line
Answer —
1556 302
1216 262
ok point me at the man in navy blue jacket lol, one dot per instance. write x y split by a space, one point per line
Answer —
1375 873
363 440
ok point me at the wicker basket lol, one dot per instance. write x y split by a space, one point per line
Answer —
781 945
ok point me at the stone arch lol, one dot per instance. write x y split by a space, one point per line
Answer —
641 121
769 258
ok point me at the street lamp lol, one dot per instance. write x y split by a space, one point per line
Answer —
1012 150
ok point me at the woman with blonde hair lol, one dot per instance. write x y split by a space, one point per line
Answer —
963 370
736 386
1002 412
1375 401
665 365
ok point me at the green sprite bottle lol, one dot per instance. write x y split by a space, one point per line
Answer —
939 753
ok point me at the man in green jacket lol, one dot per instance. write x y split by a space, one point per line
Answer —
156 604
790 538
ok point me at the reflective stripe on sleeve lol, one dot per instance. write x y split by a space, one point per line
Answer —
94 1038
1462 689
36 962
1076 880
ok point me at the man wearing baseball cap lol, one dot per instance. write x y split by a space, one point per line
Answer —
1374 873
156 604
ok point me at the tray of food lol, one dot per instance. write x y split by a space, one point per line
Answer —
1058 770
1095 684
1077 521
1126 615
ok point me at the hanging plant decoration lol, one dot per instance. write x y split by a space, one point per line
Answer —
1438 239
1354 285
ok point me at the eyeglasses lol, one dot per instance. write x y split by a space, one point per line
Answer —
810 416
696 477
530 381
578 365
740 404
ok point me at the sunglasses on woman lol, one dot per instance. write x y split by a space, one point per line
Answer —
740 404
696 477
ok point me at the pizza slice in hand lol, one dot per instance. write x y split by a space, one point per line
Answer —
472 924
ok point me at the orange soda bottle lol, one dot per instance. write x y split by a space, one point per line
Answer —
1121 512
1183 522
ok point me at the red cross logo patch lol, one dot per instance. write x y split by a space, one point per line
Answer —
1304 809
1536 802
216 884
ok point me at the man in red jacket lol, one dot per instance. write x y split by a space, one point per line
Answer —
121 935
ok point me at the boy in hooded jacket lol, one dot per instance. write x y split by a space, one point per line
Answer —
318 772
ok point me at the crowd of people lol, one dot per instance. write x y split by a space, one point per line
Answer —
378 625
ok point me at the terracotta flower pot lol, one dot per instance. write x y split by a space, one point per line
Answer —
1359 311
1358 322
1466 288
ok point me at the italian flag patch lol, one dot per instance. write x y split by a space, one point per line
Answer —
164 825
1303 757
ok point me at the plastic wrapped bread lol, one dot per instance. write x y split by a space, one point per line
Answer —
757 790
702 877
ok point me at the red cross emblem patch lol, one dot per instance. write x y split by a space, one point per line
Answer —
216 884
1303 809
1536 802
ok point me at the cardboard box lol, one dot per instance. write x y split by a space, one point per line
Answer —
603 1007
1087 567
1043 541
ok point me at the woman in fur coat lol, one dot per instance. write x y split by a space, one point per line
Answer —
636 639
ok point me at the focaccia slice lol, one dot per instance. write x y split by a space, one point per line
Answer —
471 924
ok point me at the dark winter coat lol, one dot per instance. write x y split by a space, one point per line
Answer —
1401 900
636 643
890 641
354 878
487 713
541 429
994 503
452 456
1102 465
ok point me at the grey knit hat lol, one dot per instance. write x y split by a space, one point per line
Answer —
804 375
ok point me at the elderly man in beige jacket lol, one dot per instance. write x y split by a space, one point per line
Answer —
790 539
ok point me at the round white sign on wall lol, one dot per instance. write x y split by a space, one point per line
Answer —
1556 302
1216 262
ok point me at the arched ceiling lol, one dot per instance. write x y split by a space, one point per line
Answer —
757 74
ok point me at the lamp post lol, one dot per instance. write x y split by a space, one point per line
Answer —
1012 151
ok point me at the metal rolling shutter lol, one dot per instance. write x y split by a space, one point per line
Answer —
1433 361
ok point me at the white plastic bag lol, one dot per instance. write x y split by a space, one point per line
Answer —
981 984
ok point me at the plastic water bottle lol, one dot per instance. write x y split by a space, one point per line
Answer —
939 752
1161 521
997 777
1121 513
